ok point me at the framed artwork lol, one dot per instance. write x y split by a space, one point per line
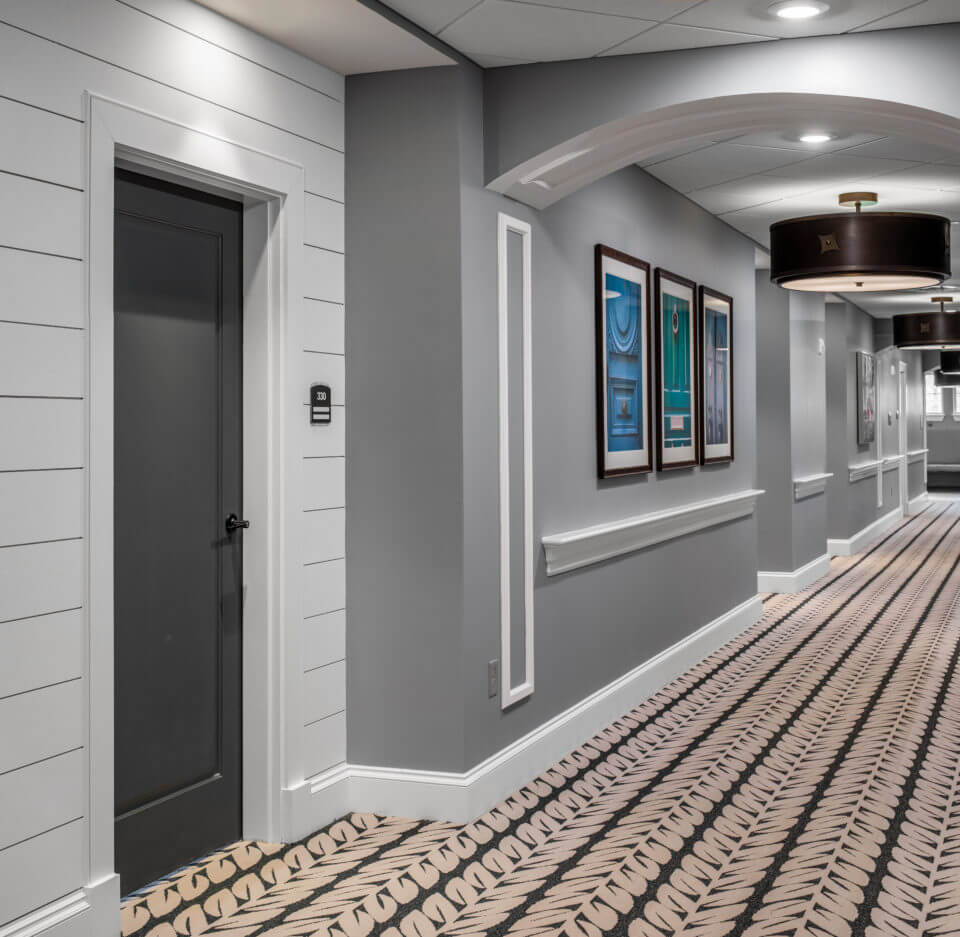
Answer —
866 398
716 376
624 414
676 351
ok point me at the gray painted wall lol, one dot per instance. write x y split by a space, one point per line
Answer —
592 625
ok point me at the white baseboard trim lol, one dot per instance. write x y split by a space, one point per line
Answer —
859 541
93 911
460 798
917 504
796 580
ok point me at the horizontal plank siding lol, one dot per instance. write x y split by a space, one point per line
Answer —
324 588
324 535
40 434
323 223
324 639
42 869
323 326
50 76
324 483
41 578
39 216
320 442
323 275
41 289
172 57
325 744
41 724
41 145
40 361
38 506
47 794
41 651
321 367
324 692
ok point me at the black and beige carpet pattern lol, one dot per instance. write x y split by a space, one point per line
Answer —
803 780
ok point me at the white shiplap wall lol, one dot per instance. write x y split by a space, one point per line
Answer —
184 63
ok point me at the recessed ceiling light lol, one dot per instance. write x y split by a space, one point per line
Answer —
799 9
816 137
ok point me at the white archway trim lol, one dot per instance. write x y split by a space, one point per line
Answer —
563 169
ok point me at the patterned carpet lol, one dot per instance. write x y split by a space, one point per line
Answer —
804 780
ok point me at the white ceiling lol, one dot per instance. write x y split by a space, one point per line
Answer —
344 35
510 32
754 180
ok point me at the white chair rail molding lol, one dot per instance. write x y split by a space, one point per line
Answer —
577 548
810 485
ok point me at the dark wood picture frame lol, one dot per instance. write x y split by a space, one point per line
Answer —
703 292
646 363
660 276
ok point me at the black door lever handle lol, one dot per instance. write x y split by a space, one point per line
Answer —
234 523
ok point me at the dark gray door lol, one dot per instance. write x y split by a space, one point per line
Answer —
178 460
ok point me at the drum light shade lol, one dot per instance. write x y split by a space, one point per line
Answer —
950 362
926 331
860 252
946 380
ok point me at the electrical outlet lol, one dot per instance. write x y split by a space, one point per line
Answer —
493 678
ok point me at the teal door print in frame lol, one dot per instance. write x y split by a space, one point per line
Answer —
623 363
676 371
716 375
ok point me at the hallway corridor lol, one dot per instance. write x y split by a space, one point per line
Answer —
803 780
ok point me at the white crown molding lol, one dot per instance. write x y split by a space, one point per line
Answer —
810 485
577 548
860 540
461 797
863 470
796 580
916 455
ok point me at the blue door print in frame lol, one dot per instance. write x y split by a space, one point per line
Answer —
715 377
677 427
624 427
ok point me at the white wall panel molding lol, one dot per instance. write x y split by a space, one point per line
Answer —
155 50
891 462
577 548
40 434
323 223
41 506
27 587
325 368
324 483
324 692
460 798
50 76
860 540
810 485
796 580
863 470
326 441
916 455
41 361
324 535
323 275
65 917
41 724
323 326
41 651
41 289
324 639
325 745
510 693
324 587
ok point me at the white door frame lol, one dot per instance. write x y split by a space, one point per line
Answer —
271 190
902 434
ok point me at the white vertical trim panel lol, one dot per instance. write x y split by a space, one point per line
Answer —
510 694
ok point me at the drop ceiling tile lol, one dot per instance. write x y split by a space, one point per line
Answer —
746 193
788 140
904 148
721 162
838 168
496 61
538 33
669 36
754 16
657 10
923 14
681 150
926 176
432 15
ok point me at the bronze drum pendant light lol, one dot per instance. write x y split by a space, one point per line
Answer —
860 252
946 380
928 331
950 362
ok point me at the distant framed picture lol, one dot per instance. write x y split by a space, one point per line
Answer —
715 311
624 414
866 398
676 353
